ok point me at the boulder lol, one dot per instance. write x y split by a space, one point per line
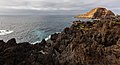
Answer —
12 41
2 42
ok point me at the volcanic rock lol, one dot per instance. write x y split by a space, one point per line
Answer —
84 43
12 41
98 12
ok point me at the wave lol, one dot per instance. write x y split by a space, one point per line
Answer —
36 42
5 32
47 38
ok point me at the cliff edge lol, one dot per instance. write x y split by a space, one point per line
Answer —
98 12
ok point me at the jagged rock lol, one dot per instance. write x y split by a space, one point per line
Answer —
2 42
98 45
12 41
54 37
98 12
84 43
26 54
67 31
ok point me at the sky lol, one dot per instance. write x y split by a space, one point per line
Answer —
55 6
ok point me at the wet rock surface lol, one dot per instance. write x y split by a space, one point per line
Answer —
84 43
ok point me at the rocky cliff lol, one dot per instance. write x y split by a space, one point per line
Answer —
84 43
97 13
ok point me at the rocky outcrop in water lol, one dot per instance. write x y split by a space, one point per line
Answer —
84 43
98 12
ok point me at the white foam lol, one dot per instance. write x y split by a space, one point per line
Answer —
58 32
5 32
47 38
41 40
36 42
50 36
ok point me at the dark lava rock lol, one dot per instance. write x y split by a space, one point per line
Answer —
26 54
12 41
84 43
2 42
54 37
98 44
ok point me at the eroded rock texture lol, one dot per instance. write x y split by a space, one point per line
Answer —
84 43
90 43
98 12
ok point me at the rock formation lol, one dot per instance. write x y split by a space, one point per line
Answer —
84 43
97 13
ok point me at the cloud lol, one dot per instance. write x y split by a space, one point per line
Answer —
58 4
52 4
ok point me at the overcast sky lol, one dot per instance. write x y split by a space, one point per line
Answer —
56 6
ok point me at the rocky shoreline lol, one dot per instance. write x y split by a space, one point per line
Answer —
84 43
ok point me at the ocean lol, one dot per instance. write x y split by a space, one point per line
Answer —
32 28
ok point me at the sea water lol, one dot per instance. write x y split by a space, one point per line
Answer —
32 28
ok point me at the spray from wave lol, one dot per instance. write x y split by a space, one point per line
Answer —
5 32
